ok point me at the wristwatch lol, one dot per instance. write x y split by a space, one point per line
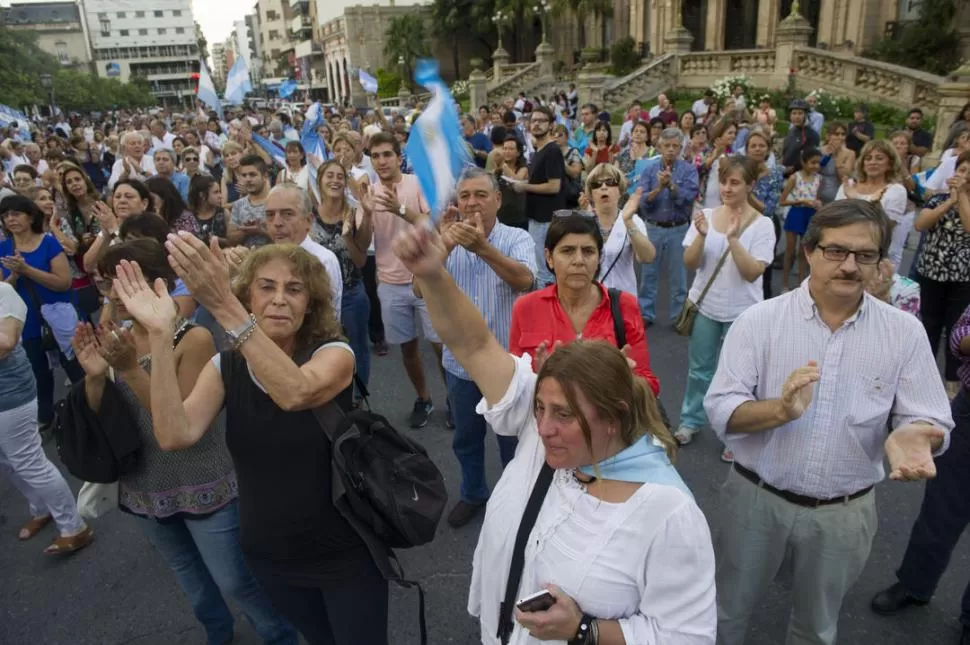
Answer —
236 337
402 210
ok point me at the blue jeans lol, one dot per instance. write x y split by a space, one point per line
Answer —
469 440
705 346
207 559
538 232
669 245
354 315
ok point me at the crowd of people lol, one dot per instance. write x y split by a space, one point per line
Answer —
211 297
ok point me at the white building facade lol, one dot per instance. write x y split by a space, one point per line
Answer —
152 39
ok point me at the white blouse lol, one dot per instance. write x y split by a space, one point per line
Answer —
619 248
647 563
894 203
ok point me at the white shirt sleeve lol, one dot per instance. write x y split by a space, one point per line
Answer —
763 242
943 172
736 377
116 171
513 414
894 202
11 304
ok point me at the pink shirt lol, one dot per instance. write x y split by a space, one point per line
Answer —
387 226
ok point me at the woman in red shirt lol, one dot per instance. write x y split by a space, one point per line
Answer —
576 306
601 148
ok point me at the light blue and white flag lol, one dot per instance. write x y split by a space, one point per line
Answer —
313 144
368 82
237 82
276 152
207 90
436 149
286 88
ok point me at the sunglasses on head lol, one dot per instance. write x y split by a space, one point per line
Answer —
609 182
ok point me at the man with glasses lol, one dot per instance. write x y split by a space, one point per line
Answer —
805 391
544 191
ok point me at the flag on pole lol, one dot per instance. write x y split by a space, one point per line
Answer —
276 152
436 149
313 144
237 82
207 90
286 88
368 82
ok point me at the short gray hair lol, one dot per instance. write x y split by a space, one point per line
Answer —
131 133
289 187
846 212
474 172
672 133
171 153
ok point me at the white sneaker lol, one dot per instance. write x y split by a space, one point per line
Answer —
727 456
684 435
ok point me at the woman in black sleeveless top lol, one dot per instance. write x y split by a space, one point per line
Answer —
314 566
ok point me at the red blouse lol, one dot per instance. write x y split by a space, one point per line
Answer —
538 317
603 154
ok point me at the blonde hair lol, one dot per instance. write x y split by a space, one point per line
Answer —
605 171
883 146
319 321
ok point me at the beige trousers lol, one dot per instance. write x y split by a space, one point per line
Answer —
824 549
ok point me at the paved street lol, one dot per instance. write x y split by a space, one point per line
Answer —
119 591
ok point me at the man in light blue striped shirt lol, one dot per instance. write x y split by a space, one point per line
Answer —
492 264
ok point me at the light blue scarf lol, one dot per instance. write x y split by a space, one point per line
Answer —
645 461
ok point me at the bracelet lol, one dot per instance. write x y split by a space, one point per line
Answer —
246 335
587 633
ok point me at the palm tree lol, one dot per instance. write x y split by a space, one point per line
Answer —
583 9
405 41
463 21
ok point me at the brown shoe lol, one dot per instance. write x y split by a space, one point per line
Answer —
462 513
33 527
64 545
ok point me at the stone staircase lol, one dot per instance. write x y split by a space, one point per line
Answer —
643 84
526 79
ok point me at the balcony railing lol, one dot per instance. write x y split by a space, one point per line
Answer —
300 6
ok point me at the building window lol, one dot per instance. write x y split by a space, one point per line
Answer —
177 13
105 28
180 30
272 15
142 32
102 16
123 32
162 31
159 14
121 14
61 48
274 34
139 14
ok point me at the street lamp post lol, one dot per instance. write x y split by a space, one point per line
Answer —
542 8
404 72
47 82
499 19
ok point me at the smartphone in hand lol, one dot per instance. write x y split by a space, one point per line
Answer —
539 601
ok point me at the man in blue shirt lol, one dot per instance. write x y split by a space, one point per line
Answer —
669 187
479 143
492 264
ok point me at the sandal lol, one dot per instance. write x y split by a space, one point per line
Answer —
70 543
33 527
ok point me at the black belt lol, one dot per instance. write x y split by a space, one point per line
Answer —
795 498
679 222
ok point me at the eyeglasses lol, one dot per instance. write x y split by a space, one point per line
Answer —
569 212
191 159
838 254
102 284
609 182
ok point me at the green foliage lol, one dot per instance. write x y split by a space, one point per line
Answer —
21 66
931 43
407 38
624 56
388 83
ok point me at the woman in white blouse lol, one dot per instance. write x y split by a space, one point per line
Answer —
624 233
618 542
746 239
877 180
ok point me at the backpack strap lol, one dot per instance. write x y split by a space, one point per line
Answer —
529 516
619 328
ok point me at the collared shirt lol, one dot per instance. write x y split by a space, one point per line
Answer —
667 207
493 297
836 447
146 165
816 120
539 317
960 331
332 266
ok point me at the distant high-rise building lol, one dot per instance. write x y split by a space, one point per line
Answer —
150 39
274 38
219 69
59 28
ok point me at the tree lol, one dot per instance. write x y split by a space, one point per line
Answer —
931 43
406 39
202 43
460 21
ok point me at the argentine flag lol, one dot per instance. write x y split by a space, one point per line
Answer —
207 90
313 144
237 82
275 152
436 148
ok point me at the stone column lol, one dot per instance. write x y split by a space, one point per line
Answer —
678 40
714 30
477 91
546 57
768 11
953 95
794 31
500 58
403 96
590 83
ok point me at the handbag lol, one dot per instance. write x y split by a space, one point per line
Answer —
684 324
47 340
96 500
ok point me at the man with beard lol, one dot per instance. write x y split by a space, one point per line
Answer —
804 395
247 226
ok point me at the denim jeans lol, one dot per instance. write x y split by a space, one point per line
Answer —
702 352
669 245
44 375
207 559
354 315
943 516
469 439
538 232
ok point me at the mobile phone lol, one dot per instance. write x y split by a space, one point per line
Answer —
539 601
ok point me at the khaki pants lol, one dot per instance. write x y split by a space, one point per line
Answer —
824 549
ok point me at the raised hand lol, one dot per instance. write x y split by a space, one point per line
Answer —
734 226
204 270
152 307
796 393
87 351
542 353
700 223
881 282
105 216
422 251
632 206
117 346
910 451
446 224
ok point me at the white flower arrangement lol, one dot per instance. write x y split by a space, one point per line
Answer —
459 90
723 87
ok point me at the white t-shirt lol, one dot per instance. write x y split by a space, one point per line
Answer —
700 108
895 203
166 142
618 247
731 294
147 167
712 190
332 265
11 304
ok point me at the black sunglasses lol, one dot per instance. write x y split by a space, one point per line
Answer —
599 183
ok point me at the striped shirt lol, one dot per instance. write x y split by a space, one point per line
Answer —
960 331
877 369
492 296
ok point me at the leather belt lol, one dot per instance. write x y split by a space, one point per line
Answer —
795 498
673 224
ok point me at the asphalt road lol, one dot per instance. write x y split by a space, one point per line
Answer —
119 591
